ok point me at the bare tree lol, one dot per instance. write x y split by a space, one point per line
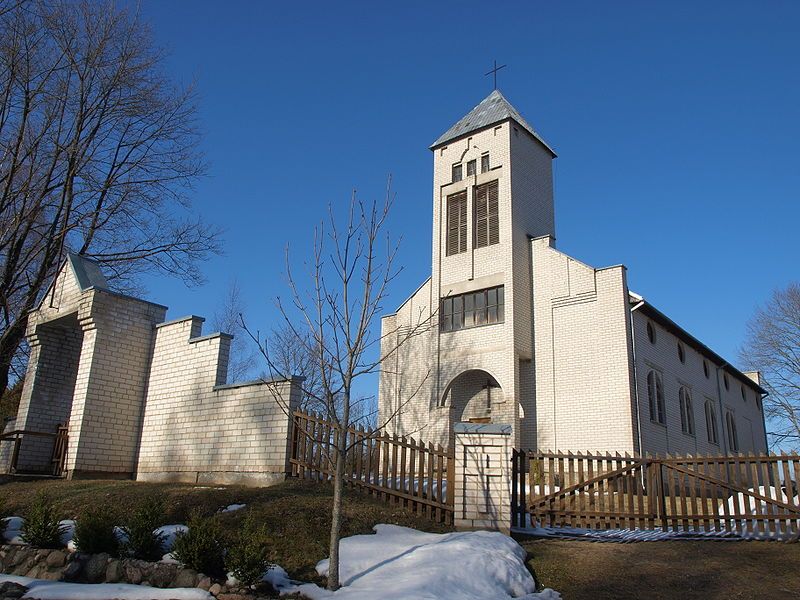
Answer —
773 347
228 319
98 152
333 321
295 355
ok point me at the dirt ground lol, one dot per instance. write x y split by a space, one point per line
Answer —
680 569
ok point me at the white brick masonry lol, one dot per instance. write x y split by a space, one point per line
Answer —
483 476
144 397
196 429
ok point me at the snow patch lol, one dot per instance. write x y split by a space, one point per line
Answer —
397 563
171 532
14 526
277 576
13 532
57 590
232 507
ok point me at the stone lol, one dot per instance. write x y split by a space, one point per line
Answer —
11 591
204 583
19 555
114 571
233 596
215 589
56 558
33 573
51 575
133 574
95 569
185 578
41 554
73 571
162 575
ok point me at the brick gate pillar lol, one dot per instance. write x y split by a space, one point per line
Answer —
483 476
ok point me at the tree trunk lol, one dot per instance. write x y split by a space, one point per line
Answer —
9 344
336 512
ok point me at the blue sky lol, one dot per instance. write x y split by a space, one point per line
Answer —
676 125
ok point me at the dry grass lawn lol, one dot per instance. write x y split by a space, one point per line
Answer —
683 569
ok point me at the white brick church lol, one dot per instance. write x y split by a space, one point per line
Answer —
524 334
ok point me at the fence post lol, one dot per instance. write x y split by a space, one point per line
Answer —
483 476
514 485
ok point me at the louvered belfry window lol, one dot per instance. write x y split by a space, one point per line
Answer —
457 223
487 221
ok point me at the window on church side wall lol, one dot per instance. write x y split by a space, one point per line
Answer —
705 368
655 395
456 223
681 353
726 381
471 165
687 412
458 172
744 394
484 307
487 221
484 162
651 332
711 422
733 437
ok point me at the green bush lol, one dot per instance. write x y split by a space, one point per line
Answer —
248 557
94 532
41 528
143 542
202 548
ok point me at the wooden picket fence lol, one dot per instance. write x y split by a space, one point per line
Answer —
753 494
401 471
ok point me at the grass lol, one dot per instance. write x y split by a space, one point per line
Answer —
680 569
297 513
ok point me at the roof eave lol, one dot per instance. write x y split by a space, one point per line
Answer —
645 307
443 142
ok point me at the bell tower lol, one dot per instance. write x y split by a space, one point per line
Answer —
492 192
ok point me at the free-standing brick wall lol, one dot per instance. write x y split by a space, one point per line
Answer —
144 398
196 429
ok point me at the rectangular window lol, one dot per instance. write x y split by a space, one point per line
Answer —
457 172
483 307
484 162
447 314
456 223
487 220
470 168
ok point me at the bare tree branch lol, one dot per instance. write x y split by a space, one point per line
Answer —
773 348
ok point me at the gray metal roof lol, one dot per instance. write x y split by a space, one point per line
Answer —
87 272
492 109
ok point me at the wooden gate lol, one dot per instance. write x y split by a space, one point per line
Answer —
746 494
401 471
58 456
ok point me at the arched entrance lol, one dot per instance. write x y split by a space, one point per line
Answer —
472 396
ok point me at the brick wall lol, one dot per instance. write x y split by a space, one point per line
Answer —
583 355
662 356
196 428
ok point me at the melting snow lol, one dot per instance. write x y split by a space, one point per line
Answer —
57 590
398 563
232 507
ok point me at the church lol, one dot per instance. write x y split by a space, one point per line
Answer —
510 329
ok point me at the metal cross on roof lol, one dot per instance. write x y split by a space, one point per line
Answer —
494 71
